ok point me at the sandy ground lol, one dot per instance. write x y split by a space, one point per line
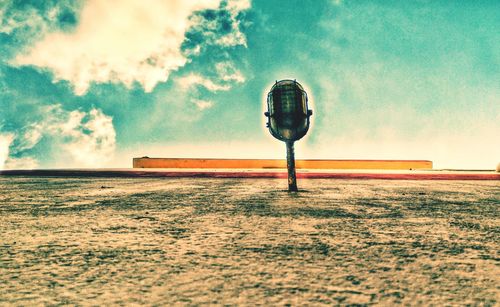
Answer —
247 241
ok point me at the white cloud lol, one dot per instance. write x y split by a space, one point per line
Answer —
5 141
19 19
238 5
29 138
123 41
77 138
203 104
192 79
86 138
28 22
225 72
228 72
210 28
234 37
21 163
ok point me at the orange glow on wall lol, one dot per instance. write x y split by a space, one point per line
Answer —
277 163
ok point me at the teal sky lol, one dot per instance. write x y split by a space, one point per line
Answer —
95 83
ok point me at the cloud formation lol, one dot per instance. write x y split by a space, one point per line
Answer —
191 80
222 77
203 104
5 141
128 41
30 19
217 27
21 163
87 138
84 139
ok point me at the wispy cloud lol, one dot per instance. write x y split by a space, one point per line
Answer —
217 27
30 19
5 141
29 22
203 104
222 78
228 72
191 80
21 163
225 75
85 139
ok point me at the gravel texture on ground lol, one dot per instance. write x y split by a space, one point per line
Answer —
246 241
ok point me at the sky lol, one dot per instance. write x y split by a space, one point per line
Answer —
95 83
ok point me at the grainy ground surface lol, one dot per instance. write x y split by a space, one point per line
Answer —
246 241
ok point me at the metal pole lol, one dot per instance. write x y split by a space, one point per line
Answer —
290 163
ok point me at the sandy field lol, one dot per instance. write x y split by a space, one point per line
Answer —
95 241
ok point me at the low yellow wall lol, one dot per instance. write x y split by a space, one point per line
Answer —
271 163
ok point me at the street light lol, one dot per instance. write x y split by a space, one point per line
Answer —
288 119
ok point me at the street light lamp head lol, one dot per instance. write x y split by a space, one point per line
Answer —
288 119
287 111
